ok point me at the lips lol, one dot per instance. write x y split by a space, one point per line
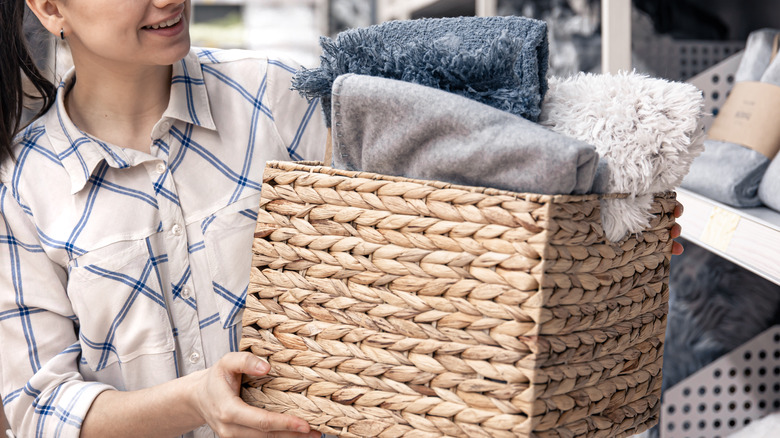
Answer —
167 23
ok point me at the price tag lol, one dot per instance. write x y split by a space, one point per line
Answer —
720 228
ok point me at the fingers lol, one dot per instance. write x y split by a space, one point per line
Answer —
678 210
235 415
244 363
676 231
265 421
248 432
313 434
677 248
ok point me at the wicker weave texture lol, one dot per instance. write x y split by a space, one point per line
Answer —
398 308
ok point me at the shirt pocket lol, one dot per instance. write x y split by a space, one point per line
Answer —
228 243
118 299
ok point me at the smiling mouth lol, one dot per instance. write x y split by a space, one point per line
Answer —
172 22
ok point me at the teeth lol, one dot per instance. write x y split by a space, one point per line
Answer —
164 24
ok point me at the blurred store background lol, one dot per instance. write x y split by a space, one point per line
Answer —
674 39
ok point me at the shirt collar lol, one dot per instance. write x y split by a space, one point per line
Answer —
189 100
81 153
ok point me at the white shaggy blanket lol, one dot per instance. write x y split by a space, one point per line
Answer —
647 130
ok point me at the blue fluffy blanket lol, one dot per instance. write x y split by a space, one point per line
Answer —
499 61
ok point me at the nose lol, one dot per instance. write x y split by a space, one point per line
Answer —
163 4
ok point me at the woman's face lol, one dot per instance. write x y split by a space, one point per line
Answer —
127 32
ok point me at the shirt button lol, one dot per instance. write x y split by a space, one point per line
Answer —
166 126
176 230
194 357
185 292
161 168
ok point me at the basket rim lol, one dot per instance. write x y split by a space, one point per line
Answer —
319 167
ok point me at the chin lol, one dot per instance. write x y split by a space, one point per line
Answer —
183 50
176 53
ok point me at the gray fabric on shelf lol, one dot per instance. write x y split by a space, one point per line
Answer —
499 61
728 172
756 56
398 128
769 189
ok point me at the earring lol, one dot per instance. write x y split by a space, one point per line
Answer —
62 34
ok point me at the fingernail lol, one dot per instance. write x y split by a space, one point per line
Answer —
304 429
263 366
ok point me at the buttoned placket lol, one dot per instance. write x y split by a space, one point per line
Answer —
179 293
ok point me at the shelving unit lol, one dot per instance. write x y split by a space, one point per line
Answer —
748 237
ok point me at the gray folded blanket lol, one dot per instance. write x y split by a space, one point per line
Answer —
728 172
499 61
399 128
769 189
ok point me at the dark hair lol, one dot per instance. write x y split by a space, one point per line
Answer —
16 63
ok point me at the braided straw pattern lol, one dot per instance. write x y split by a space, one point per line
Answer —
399 308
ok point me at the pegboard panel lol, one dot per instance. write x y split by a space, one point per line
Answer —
680 60
728 394
716 83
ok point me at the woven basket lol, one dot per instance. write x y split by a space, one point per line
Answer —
402 308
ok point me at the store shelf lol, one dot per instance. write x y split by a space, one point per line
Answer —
728 394
748 237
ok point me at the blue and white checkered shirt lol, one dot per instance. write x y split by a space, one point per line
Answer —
122 269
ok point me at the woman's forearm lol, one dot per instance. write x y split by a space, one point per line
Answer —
165 410
208 397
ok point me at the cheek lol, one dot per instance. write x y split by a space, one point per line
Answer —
111 20
108 40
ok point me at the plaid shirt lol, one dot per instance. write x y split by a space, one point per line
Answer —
122 269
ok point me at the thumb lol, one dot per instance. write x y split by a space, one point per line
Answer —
245 363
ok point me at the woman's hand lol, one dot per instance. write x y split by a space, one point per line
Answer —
677 247
218 403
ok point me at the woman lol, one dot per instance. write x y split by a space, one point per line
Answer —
128 209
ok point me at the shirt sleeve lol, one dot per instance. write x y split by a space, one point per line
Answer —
43 393
300 123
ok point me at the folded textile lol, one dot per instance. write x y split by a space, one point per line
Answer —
499 61
398 128
769 188
728 172
646 130
756 56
